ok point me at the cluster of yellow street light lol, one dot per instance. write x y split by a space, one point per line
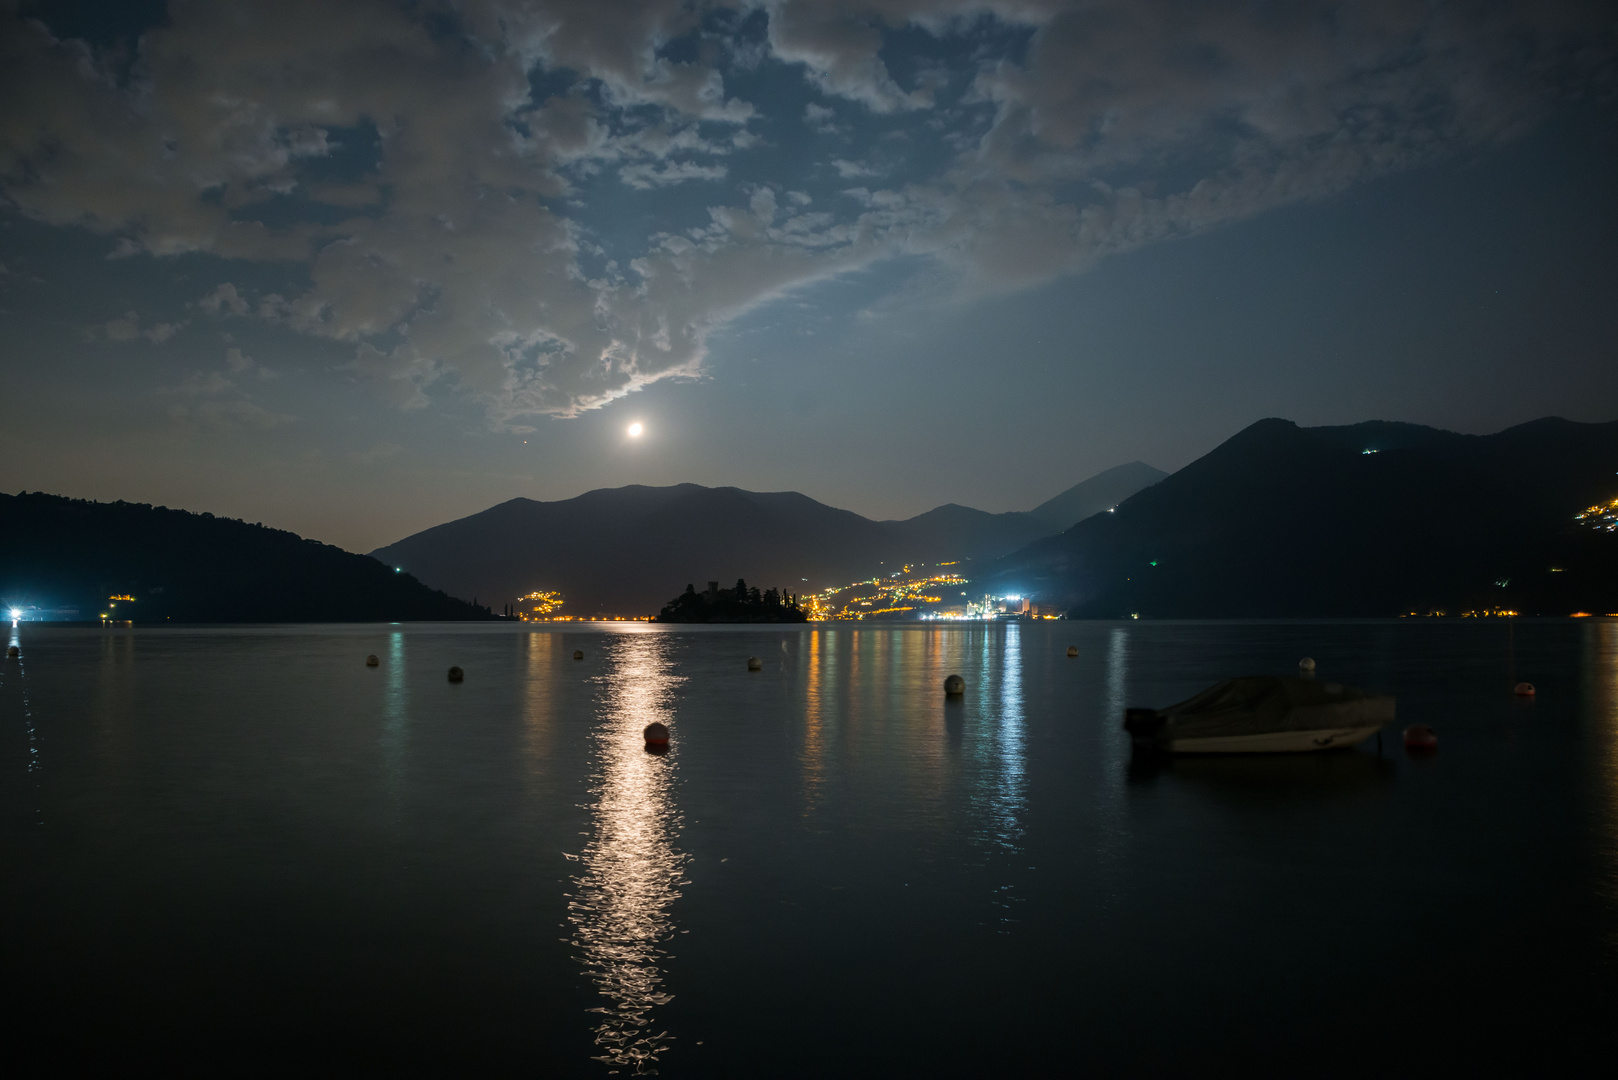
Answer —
905 590
541 607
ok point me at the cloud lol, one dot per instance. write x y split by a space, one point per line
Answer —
645 177
472 258
850 170
840 46
821 120
229 415
211 400
127 328
201 384
239 363
224 299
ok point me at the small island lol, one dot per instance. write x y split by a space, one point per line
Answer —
738 605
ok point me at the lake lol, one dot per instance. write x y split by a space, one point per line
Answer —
240 850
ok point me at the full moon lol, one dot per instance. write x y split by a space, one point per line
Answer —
635 429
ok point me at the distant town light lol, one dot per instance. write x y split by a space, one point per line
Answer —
398 569
15 614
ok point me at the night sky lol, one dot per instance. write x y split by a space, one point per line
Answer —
355 269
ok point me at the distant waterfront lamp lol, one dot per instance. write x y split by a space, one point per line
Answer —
15 614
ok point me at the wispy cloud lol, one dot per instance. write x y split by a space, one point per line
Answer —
473 253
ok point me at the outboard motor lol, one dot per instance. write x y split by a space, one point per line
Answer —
1144 725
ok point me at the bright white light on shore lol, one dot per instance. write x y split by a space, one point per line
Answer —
635 429
15 614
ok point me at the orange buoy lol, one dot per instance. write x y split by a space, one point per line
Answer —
954 686
578 654
372 661
1420 737
656 734
456 674
1073 650
754 664
13 651
1525 689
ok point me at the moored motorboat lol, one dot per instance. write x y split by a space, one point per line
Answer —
1262 714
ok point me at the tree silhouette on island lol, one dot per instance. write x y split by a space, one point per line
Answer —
738 605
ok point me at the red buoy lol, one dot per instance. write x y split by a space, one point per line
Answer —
656 734
1420 737
1525 689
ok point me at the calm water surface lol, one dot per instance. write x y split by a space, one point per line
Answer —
241 850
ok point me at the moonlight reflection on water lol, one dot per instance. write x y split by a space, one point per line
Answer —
632 870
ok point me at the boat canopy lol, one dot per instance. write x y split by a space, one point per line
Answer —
1258 704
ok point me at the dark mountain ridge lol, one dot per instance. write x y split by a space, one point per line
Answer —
624 550
964 533
63 554
1372 519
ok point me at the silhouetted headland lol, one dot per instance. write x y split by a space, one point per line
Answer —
72 559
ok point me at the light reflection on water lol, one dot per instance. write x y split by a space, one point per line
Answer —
395 721
13 679
1008 786
815 710
1005 783
632 870
1601 662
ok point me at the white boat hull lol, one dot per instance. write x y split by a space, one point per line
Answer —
1275 742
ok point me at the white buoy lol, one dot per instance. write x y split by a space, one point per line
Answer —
1306 667
954 686
754 664
372 661
578 654
1073 650
456 674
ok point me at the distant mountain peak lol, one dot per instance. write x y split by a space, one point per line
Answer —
1101 492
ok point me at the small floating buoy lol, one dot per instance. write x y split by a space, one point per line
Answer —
656 734
1420 737
1525 689
372 661
1073 650
578 654
13 651
1306 666
456 674
754 664
954 686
